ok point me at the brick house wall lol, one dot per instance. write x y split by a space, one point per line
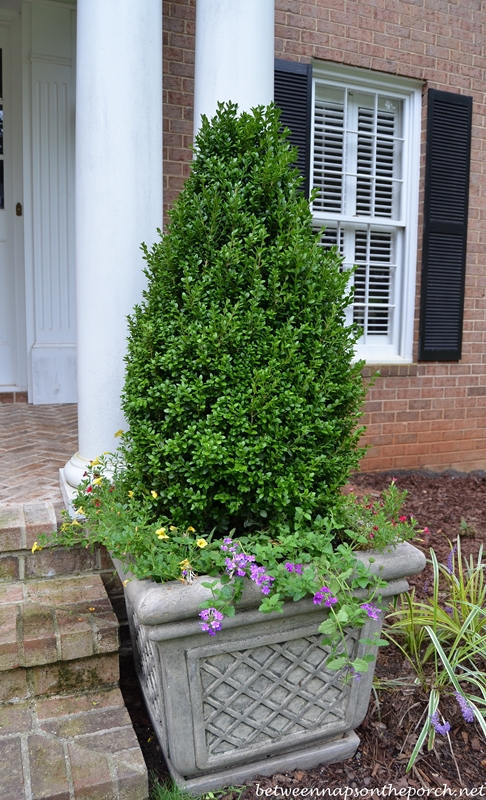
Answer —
422 415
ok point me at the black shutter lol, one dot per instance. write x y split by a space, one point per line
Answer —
293 90
445 225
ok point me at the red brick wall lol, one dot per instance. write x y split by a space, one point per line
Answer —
179 27
422 415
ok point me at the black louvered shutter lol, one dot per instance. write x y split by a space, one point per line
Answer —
293 89
445 225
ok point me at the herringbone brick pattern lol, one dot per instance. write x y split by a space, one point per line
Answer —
35 441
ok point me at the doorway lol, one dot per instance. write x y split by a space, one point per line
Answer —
13 366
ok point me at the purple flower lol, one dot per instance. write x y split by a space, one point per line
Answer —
210 620
325 594
450 560
371 610
228 545
238 563
353 673
298 568
449 610
467 710
442 729
259 576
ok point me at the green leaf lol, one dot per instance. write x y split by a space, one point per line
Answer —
342 616
336 663
360 665
328 626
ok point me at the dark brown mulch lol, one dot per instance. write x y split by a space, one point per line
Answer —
447 504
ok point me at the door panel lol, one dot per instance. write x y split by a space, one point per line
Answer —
8 376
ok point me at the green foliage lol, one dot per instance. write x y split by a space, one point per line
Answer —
444 637
373 525
169 791
242 400
310 562
241 394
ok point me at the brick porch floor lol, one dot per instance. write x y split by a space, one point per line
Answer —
35 441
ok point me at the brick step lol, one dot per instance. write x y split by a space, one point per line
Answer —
64 731
74 747
23 525
56 635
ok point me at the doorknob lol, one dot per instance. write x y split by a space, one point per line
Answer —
18 209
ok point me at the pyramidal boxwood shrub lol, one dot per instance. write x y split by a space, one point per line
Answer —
241 393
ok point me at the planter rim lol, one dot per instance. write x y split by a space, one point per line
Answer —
162 603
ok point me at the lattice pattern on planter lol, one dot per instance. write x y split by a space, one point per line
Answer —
147 670
257 695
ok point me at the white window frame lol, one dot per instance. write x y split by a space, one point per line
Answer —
409 92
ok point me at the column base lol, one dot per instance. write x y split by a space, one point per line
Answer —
70 477
74 470
68 493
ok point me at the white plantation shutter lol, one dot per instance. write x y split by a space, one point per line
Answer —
328 156
357 151
373 309
375 163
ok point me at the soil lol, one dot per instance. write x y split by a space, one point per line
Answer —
448 504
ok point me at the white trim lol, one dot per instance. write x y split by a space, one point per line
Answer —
66 62
59 3
409 92
362 78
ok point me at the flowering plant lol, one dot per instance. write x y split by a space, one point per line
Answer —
313 558
242 397
443 636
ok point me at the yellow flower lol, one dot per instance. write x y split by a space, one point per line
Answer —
161 533
172 528
95 462
202 543
191 529
119 433
97 481
130 494
35 547
154 494
185 564
127 581
80 510
75 522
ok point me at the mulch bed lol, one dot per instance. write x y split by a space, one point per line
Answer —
447 504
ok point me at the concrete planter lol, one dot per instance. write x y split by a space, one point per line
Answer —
256 698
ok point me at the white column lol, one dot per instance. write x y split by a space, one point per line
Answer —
234 55
118 199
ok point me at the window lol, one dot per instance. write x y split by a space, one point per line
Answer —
358 133
365 147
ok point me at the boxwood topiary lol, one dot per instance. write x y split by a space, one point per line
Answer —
241 393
